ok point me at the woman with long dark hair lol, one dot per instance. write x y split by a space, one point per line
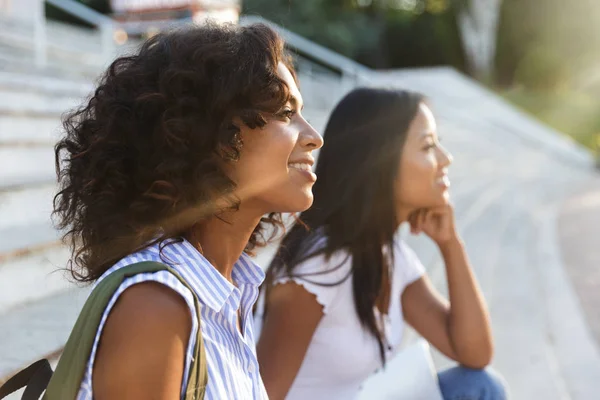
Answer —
187 151
343 283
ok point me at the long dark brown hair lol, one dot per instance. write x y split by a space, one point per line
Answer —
141 161
354 206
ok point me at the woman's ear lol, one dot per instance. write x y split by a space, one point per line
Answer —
230 148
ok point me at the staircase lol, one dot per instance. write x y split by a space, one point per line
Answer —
510 174
37 304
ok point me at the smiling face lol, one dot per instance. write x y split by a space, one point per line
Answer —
274 171
423 171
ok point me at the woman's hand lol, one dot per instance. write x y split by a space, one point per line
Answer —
437 223
459 328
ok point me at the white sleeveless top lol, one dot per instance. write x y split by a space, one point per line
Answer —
342 354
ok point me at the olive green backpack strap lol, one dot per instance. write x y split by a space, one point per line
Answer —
66 380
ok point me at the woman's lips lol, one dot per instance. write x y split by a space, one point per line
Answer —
443 181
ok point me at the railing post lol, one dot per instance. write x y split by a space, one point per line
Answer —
39 34
349 80
108 43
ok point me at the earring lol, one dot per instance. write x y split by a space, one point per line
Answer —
236 143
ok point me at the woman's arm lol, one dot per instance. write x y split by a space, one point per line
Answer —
141 353
461 328
293 315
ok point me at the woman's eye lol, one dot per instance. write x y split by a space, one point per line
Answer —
287 113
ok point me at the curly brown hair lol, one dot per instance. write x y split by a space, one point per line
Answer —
140 161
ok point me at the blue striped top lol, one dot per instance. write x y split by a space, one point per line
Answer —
231 357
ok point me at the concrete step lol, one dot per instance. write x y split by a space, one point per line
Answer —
67 47
528 352
27 238
23 130
25 219
23 166
22 103
71 50
38 329
577 355
23 61
31 278
45 84
490 140
31 106
311 87
30 204
523 352
7 49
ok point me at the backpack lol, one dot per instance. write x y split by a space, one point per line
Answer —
65 382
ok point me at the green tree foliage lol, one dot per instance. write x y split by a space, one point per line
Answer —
534 32
542 68
333 23
377 33
424 39
544 48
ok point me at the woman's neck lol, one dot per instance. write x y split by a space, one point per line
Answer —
402 214
223 239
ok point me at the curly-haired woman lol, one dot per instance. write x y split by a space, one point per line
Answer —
177 157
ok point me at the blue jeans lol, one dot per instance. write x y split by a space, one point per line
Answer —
461 383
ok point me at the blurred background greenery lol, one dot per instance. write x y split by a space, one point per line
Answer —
542 55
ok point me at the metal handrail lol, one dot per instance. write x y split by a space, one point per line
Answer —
351 71
81 11
105 24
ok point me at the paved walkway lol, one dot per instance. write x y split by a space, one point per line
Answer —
579 230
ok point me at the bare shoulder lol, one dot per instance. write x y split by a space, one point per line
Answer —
143 344
292 317
285 294
152 302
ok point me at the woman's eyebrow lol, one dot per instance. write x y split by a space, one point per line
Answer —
296 103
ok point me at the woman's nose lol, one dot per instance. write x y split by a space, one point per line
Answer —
310 138
445 157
